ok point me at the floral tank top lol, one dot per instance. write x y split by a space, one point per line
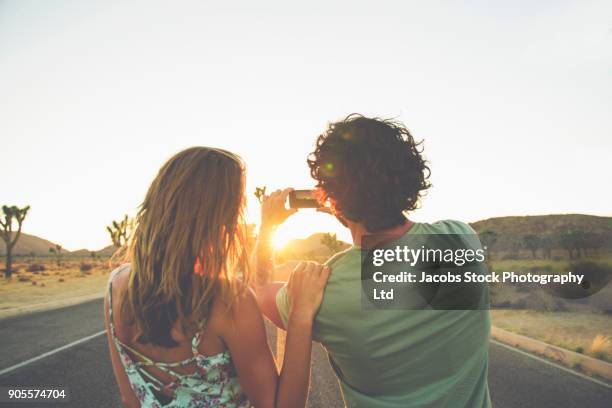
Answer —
214 384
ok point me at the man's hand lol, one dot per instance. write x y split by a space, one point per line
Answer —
273 211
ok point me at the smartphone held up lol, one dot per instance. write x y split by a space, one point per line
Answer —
303 199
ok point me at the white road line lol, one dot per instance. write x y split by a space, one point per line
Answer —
50 353
560 367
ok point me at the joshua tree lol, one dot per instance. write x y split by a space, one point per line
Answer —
10 237
119 231
260 192
57 251
331 242
583 243
532 242
569 240
546 242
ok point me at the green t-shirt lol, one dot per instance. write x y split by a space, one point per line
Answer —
400 358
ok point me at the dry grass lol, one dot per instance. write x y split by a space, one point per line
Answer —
582 332
54 283
601 347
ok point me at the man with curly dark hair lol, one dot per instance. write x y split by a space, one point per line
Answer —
372 173
371 170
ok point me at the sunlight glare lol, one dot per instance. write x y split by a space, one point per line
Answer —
280 240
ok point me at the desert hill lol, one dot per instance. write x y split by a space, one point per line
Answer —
106 251
543 224
29 244
512 225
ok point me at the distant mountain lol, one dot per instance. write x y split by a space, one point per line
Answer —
544 224
31 244
106 251
28 244
513 225
81 252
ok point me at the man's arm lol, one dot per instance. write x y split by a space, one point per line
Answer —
266 298
273 213
264 256
265 289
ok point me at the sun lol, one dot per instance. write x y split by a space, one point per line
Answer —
288 231
303 225
280 240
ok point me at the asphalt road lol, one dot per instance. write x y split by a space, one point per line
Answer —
515 380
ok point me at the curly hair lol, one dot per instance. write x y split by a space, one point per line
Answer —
371 170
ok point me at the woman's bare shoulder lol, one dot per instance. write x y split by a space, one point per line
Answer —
119 277
242 313
118 283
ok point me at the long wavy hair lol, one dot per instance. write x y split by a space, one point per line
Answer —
188 244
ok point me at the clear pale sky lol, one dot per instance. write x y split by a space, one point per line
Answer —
513 100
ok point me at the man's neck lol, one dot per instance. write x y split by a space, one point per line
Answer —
358 231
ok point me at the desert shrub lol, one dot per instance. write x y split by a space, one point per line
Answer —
601 347
35 267
85 267
579 349
23 278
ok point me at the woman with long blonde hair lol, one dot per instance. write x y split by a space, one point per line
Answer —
184 329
